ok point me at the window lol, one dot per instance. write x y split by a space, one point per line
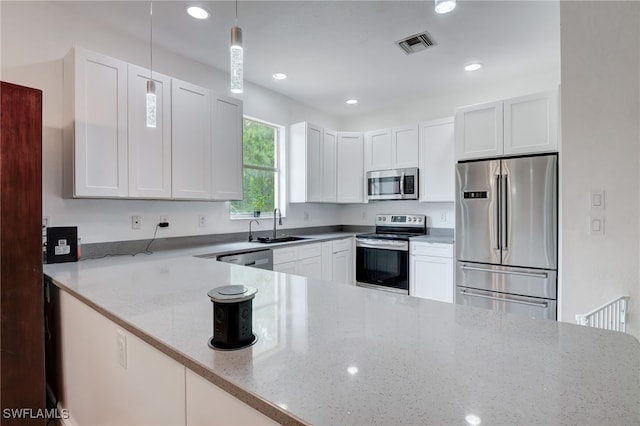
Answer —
260 169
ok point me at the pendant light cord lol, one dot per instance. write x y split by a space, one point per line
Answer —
151 40
236 12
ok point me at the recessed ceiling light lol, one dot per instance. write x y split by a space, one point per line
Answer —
445 6
473 67
279 76
351 101
198 12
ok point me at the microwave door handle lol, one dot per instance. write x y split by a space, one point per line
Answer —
402 185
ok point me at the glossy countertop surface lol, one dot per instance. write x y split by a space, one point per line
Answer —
339 354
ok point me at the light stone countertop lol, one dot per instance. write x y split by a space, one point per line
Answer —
345 355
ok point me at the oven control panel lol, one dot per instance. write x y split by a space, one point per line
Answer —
400 219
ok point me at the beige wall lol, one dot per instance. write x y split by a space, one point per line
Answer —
600 53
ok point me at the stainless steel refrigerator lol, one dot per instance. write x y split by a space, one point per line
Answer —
507 234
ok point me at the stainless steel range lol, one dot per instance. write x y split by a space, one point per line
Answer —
382 258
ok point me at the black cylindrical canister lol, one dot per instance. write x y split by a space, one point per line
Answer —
232 317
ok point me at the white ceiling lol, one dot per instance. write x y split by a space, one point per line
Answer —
334 50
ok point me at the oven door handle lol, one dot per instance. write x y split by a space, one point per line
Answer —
382 244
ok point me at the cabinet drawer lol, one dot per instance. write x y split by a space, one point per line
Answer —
309 250
432 249
284 255
341 245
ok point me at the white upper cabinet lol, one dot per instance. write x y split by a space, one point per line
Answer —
531 123
404 147
312 164
96 125
226 170
329 164
437 161
350 167
391 148
377 150
478 131
149 147
191 141
305 163
523 125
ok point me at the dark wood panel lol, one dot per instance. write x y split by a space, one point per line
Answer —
21 291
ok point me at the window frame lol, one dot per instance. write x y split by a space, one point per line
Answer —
280 192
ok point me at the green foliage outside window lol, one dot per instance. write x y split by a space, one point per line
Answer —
260 169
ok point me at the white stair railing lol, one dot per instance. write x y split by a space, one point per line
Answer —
610 316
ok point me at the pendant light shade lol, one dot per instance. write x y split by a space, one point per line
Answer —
236 60
236 55
151 103
445 6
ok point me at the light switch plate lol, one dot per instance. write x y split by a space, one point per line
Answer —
596 225
596 200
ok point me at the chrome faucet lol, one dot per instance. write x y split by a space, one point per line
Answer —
250 222
276 210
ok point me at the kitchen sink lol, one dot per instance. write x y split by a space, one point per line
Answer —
282 239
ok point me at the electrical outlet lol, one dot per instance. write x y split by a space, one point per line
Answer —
306 216
364 215
136 222
443 217
121 348
46 222
202 221
164 218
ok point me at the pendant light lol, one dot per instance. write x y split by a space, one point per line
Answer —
151 85
236 56
445 6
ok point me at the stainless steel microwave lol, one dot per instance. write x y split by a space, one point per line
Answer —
397 184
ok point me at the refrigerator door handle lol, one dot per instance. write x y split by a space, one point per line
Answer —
498 213
505 299
504 193
542 275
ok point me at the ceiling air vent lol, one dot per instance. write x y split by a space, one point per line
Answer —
416 43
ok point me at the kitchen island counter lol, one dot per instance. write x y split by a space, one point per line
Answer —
339 354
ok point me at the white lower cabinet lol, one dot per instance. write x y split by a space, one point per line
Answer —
431 271
310 267
337 261
305 260
207 404
142 387
342 265
287 267
327 261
